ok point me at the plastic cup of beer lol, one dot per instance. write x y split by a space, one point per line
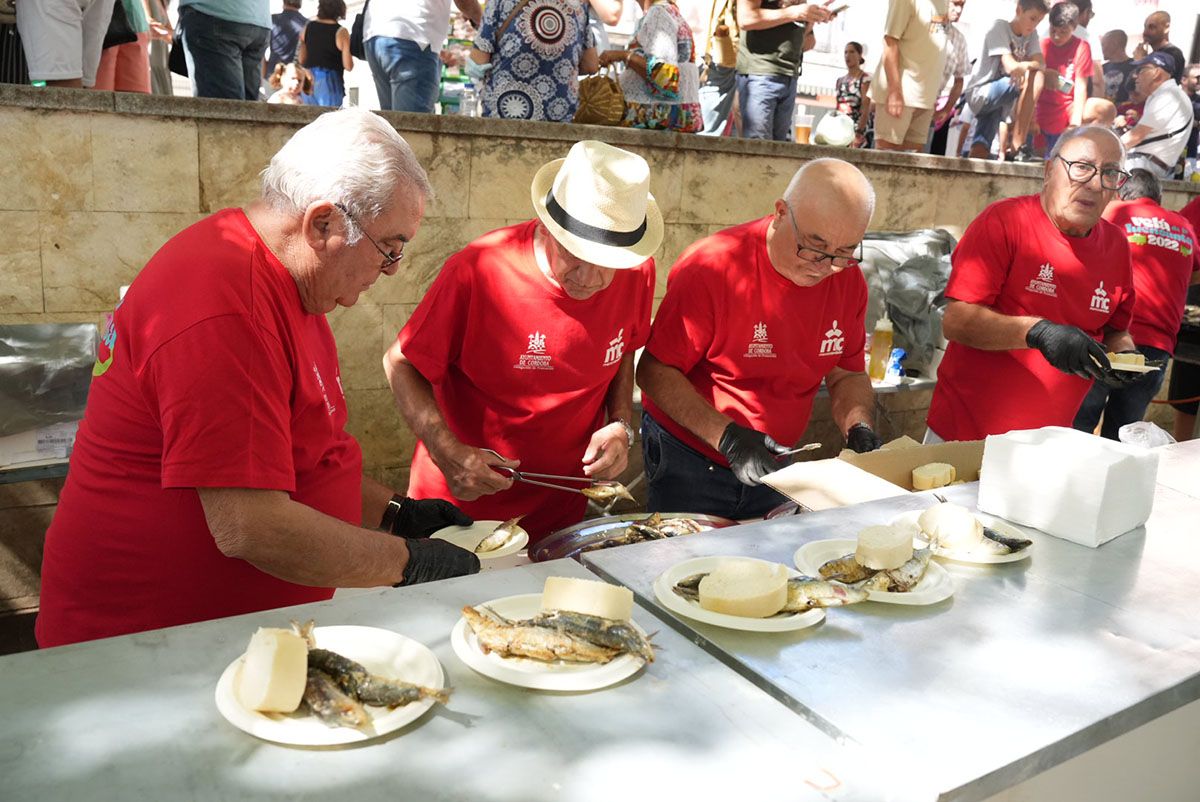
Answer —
803 124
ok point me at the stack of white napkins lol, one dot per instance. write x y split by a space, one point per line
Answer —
1069 484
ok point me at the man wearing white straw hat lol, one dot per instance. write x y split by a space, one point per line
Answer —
523 345
755 318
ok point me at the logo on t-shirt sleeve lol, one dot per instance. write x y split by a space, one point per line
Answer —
1100 299
1043 283
834 342
535 356
760 346
108 341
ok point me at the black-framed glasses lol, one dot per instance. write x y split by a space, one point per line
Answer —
1083 172
817 257
389 257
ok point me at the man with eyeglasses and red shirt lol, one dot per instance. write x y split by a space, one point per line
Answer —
754 319
1040 290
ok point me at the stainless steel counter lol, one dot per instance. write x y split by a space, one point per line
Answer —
1027 665
1179 467
133 718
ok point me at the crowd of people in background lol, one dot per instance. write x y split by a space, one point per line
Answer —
1035 73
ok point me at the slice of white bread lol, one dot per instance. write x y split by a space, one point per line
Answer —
746 588
883 547
932 475
1127 359
273 672
587 596
951 526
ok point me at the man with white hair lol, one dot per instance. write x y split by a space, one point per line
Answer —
1041 288
521 353
212 474
754 319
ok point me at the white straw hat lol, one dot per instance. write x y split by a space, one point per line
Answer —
597 204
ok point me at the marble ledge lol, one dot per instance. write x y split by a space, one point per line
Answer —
252 112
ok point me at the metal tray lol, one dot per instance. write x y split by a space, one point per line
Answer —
569 542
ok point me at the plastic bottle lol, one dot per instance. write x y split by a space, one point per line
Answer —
881 348
467 104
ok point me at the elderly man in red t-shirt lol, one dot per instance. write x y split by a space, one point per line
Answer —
1165 262
522 350
754 319
1041 288
212 474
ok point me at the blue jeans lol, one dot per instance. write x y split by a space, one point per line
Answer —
767 103
224 59
329 88
1126 405
716 99
991 104
406 75
681 479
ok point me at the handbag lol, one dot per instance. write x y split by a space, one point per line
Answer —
177 59
601 101
358 47
722 47
120 32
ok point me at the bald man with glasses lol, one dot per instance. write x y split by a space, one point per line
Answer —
1040 290
754 319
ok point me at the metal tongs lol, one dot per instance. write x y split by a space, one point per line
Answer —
525 476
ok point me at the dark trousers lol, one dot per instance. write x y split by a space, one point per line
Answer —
1126 405
681 479
224 59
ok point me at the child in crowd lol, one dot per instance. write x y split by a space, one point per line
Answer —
1008 79
1068 65
293 85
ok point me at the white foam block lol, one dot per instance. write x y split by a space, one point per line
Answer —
1069 484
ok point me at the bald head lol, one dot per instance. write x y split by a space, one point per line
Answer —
822 216
1156 29
834 186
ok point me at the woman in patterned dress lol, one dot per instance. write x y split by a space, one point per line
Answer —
853 92
661 82
532 72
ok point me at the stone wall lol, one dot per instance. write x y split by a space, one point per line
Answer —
95 182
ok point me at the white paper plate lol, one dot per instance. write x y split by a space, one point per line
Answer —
530 673
667 597
934 587
908 520
468 537
381 651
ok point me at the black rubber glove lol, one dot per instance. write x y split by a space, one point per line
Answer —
862 438
1069 349
430 560
423 517
751 453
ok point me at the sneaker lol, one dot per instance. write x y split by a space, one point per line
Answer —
1026 155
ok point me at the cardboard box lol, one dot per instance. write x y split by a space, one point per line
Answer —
853 478
896 465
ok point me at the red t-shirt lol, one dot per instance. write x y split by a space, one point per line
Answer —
211 374
1015 261
1162 245
1191 213
520 367
753 344
1073 61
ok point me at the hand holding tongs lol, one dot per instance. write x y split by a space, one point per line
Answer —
524 476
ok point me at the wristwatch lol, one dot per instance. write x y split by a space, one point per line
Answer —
390 513
629 434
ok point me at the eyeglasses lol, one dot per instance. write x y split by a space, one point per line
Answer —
1083 172
817 257
389 258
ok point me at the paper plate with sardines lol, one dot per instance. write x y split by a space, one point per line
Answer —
323 686
576 635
